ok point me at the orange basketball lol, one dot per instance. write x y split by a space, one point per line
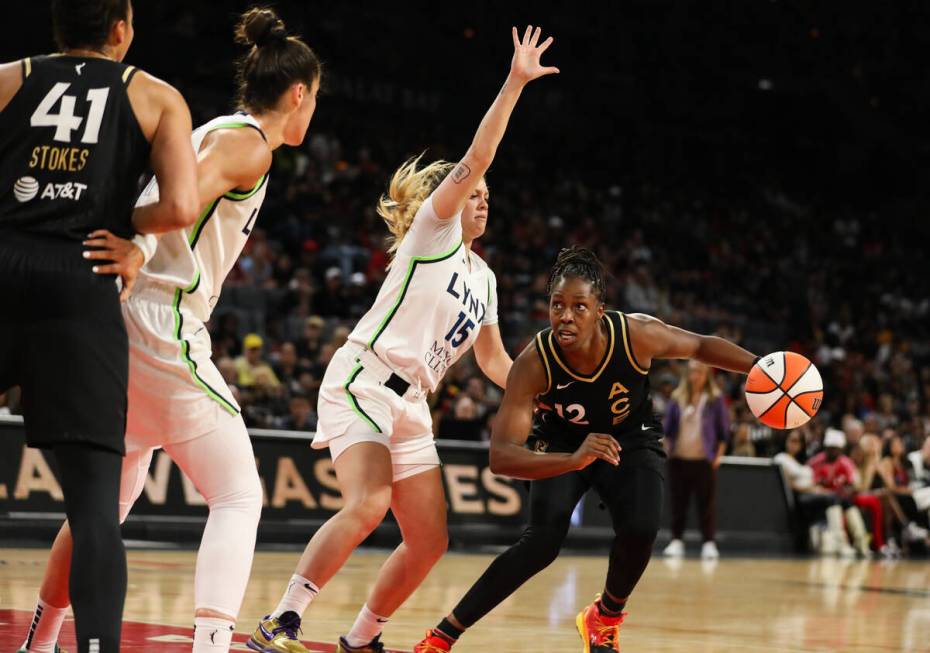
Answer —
784 390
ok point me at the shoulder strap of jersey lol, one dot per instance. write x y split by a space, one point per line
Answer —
128 73
238 121
544 357
27 67
628 344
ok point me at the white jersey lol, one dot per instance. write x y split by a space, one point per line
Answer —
195 260
433 303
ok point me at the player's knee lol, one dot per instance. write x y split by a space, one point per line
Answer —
369 508
245 496
639 532
430 543
541 545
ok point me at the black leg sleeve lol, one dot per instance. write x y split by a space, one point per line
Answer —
90 480
552 501
633 494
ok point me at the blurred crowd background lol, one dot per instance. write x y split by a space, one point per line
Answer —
755 169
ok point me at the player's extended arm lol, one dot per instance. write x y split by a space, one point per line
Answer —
491 355
455 189
512 428
653 338
166 121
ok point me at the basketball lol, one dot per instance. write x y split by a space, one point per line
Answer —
784 390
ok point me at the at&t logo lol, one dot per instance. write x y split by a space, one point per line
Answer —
25 189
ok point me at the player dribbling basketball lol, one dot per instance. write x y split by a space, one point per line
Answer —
594 428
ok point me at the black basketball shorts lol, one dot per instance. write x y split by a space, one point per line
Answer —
63 340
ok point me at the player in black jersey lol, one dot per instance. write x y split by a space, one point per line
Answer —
77 130
579 393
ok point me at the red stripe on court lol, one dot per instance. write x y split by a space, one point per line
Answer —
137 637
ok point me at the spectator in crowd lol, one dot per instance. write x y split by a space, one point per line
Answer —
812 500
332 299
893 470
464 423
920 476
301 415
308 346
287 367
697 426
741 444
866 455
920 465
835 473
250 365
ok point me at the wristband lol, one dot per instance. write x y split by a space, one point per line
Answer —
147 243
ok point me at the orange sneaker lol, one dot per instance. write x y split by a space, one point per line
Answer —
432 643
601 634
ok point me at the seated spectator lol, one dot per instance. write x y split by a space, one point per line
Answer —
308 346
288 368
920 465
463 423
835 473
741 444
894 475
332 299
920 476
866 455
301 416
812 500
251 362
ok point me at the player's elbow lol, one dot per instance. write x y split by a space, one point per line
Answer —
181 211
480 156
499 461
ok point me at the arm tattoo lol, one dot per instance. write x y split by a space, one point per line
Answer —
461 173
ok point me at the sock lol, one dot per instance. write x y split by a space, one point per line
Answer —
448 631
212 635
300 592
609 607
367 626
44 629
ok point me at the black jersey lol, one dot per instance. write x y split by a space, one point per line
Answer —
72 150
614 399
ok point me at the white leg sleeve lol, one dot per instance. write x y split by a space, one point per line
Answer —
221 465
132 482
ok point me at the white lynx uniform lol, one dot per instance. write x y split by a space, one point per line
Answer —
181 390
428 313
177 398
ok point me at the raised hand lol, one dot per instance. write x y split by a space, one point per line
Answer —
525 66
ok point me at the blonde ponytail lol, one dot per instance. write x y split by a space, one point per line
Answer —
407 191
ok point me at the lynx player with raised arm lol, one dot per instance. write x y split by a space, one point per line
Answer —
77 129
592 427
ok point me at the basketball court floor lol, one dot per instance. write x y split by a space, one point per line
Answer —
739 605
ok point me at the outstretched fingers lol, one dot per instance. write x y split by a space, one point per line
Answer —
536 35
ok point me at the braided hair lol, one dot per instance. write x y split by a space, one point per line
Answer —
581 263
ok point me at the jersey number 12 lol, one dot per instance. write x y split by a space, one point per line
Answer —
65 121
